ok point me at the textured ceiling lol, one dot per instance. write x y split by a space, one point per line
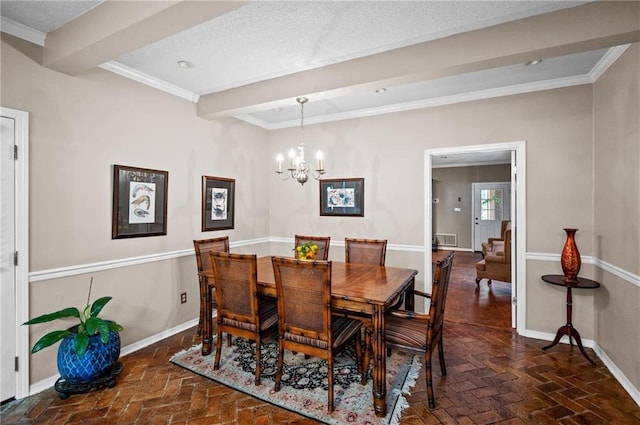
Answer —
257 41
263 40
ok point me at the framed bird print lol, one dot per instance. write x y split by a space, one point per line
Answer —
139 202
218 199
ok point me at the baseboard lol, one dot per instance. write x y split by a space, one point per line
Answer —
47 383
602 355
617 373
546 336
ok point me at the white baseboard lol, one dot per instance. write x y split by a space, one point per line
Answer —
617 373
545 336
602 355
49 382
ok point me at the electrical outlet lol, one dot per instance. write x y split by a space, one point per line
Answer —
183 298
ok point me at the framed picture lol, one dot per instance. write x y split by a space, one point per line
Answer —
139 202
218 198
343 197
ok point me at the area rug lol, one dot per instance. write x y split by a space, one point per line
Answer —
304 381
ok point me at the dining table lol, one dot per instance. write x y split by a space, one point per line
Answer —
360 288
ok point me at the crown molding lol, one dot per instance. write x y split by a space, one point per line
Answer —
22 31
606 61
428 103
149 80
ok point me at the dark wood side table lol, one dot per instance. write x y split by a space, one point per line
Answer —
568 329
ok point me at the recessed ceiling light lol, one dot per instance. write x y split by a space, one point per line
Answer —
185 64
277 109
533 62
381 90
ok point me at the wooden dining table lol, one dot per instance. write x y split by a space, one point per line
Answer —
360 288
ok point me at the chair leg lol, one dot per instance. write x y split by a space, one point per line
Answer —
427 373
330 384
478 283
276 388
258 359
203 293
443 367
366 357
216 363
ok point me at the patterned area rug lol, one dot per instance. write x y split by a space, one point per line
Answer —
304 381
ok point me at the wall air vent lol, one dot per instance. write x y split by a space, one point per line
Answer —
447 239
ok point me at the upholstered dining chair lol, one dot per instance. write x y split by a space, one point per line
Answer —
305 322
419 332
240 311
323 243
203 262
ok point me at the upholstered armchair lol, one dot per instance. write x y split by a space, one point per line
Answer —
496 244
496 265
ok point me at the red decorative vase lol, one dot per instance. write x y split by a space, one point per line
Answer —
570 257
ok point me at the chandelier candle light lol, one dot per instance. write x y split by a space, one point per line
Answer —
299 168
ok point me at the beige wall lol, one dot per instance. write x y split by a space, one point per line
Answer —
81 126
456 182
616 108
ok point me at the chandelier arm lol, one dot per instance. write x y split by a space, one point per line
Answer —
318 173
281 173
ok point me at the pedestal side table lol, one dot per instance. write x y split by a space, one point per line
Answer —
567 328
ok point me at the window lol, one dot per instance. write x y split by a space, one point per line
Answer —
491 204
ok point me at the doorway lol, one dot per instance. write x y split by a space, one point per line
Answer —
14 277
518 215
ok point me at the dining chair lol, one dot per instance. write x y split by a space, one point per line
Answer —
323 243
203 262
305 320
366 251
240 311
419 332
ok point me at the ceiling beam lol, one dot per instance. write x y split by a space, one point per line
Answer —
592 26
114 28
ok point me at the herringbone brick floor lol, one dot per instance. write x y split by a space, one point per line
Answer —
494 377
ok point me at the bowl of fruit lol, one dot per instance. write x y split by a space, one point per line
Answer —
306 251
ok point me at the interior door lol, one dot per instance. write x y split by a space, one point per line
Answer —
7 268
491 205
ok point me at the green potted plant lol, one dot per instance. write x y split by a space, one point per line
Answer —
88 349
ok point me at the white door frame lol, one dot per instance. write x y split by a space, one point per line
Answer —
519 223
21 119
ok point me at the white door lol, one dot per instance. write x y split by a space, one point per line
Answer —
491 205
7 268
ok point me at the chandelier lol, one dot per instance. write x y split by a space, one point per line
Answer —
299 169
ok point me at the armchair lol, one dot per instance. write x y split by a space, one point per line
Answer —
496 244
496 264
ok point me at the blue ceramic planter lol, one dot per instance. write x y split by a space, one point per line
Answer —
97 360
